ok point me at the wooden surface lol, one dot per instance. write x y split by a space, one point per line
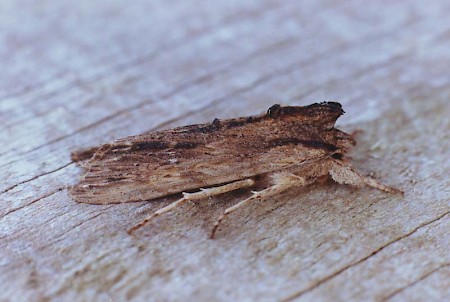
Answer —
79 73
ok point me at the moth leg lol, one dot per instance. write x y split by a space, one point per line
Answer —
281 182
343 173
203 193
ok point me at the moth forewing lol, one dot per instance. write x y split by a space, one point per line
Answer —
284 145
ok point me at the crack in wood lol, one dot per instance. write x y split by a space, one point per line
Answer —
31 202
363 259
421 278
35 177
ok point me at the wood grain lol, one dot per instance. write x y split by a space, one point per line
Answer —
78 74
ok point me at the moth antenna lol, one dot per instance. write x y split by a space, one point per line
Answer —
167 208
201 194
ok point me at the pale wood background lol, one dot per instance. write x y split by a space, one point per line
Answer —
79 73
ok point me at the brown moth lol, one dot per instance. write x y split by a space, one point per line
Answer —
283 148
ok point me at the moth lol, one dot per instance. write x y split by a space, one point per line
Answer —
288 146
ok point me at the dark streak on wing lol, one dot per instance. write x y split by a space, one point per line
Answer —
186 145
118 147
149 145
111 179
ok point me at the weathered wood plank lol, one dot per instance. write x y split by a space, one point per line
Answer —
78 74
